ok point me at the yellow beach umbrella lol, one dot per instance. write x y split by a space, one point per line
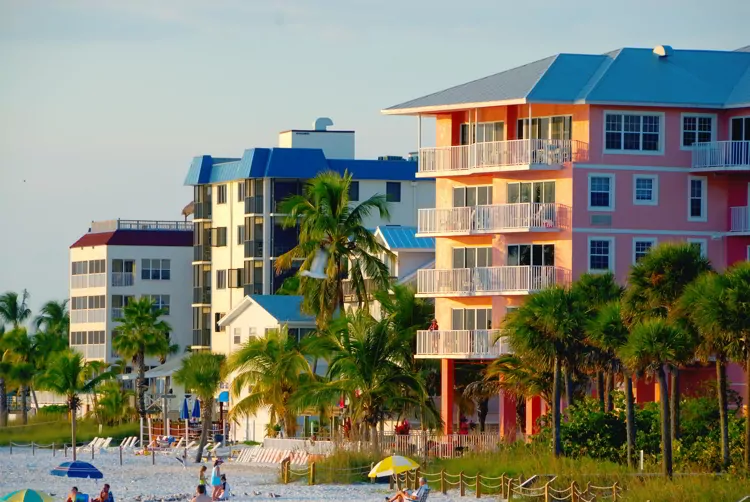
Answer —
395 464
27 496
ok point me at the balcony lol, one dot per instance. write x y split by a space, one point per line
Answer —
371 285
94 351
122 279
202 338
489 281
79 281
202 296
718 156
739 220
254 204
498 218
202 211
500 156
82 316
460 344
201 253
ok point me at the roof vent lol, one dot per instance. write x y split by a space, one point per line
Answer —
663 50
322 123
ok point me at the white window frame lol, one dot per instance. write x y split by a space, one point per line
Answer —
611 254
703 245
651 240
748 253
622 151
704 198
654 190
612 190
222 193
713 118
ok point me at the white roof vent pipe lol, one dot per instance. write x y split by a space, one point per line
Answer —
663 50
322 123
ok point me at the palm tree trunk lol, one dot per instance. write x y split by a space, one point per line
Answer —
674 401
375 442
206 408
630 418
24 390
73 424
666 436
600 389
140 384
484 409
721 379
3 404
609 384
33 397
557 446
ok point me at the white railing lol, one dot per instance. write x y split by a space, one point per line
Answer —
734 155
490 280
97 280
88 315
79 281
112 225
95 351
468 344
492 218
122 279
740 219
496 155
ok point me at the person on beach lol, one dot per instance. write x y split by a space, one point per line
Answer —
73 494
105 495
405 495
216 479
225 489
200 494
202 476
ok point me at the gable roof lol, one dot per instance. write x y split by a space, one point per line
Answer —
285 309
696 78
293 163
397 238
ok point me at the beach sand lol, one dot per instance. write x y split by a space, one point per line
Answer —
137 480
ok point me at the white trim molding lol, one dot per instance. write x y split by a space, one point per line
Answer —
611 256
611 206
652 169
704 198
640 151
654 201
651 240
703 243
685 115
640 231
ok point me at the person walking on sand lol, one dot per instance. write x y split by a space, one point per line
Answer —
200 494
216 479
202 476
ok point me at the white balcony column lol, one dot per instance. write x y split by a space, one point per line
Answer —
528 133
267 203
419 134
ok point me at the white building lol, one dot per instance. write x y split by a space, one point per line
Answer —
118 260
253 316
238 234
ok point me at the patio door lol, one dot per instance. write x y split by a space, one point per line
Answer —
531 255
538 192
740 129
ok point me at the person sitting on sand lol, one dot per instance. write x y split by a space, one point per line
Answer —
200 494
405 496
225 492
105 495
73 494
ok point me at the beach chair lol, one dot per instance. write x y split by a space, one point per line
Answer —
178 444
105 444
87 446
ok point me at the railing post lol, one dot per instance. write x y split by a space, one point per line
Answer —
614 492
442 481
33 449
153 457
479 485
372 466
53 449
92 452
311 474
573 495
120 449
11 447
546 492
461 485
390 482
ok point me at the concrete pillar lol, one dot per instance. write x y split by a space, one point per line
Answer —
507 417
447 375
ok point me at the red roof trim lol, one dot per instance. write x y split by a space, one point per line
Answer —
155 238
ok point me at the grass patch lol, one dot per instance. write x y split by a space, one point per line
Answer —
42 432
251 443
344 467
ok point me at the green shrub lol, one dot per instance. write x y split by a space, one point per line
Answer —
344 467
54 409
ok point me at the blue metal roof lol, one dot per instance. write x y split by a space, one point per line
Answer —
300 163
711 79
397 237
283 308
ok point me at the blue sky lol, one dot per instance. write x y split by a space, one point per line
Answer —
103 103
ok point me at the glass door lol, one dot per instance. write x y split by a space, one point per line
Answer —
538 192
531 255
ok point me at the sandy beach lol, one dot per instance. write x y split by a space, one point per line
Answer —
138 481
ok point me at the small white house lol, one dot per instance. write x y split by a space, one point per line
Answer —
254 316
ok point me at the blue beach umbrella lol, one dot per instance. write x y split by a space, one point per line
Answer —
77 470
184 413
196 409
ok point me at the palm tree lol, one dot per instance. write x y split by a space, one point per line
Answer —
548 329
202 373
67 375
327 220
20 351
655 285
653 344
141 334
608 332
270 370
112 406
13 311
54 318
717 305
366 368
94 368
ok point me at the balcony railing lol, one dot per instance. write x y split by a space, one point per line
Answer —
202 211
371 285
722 156
202 337
112 225
461 344
122 279
94 351
513 155
79 281
493 219
88 315
740 219
482 281
97 280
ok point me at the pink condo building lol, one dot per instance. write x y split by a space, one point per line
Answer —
576 163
